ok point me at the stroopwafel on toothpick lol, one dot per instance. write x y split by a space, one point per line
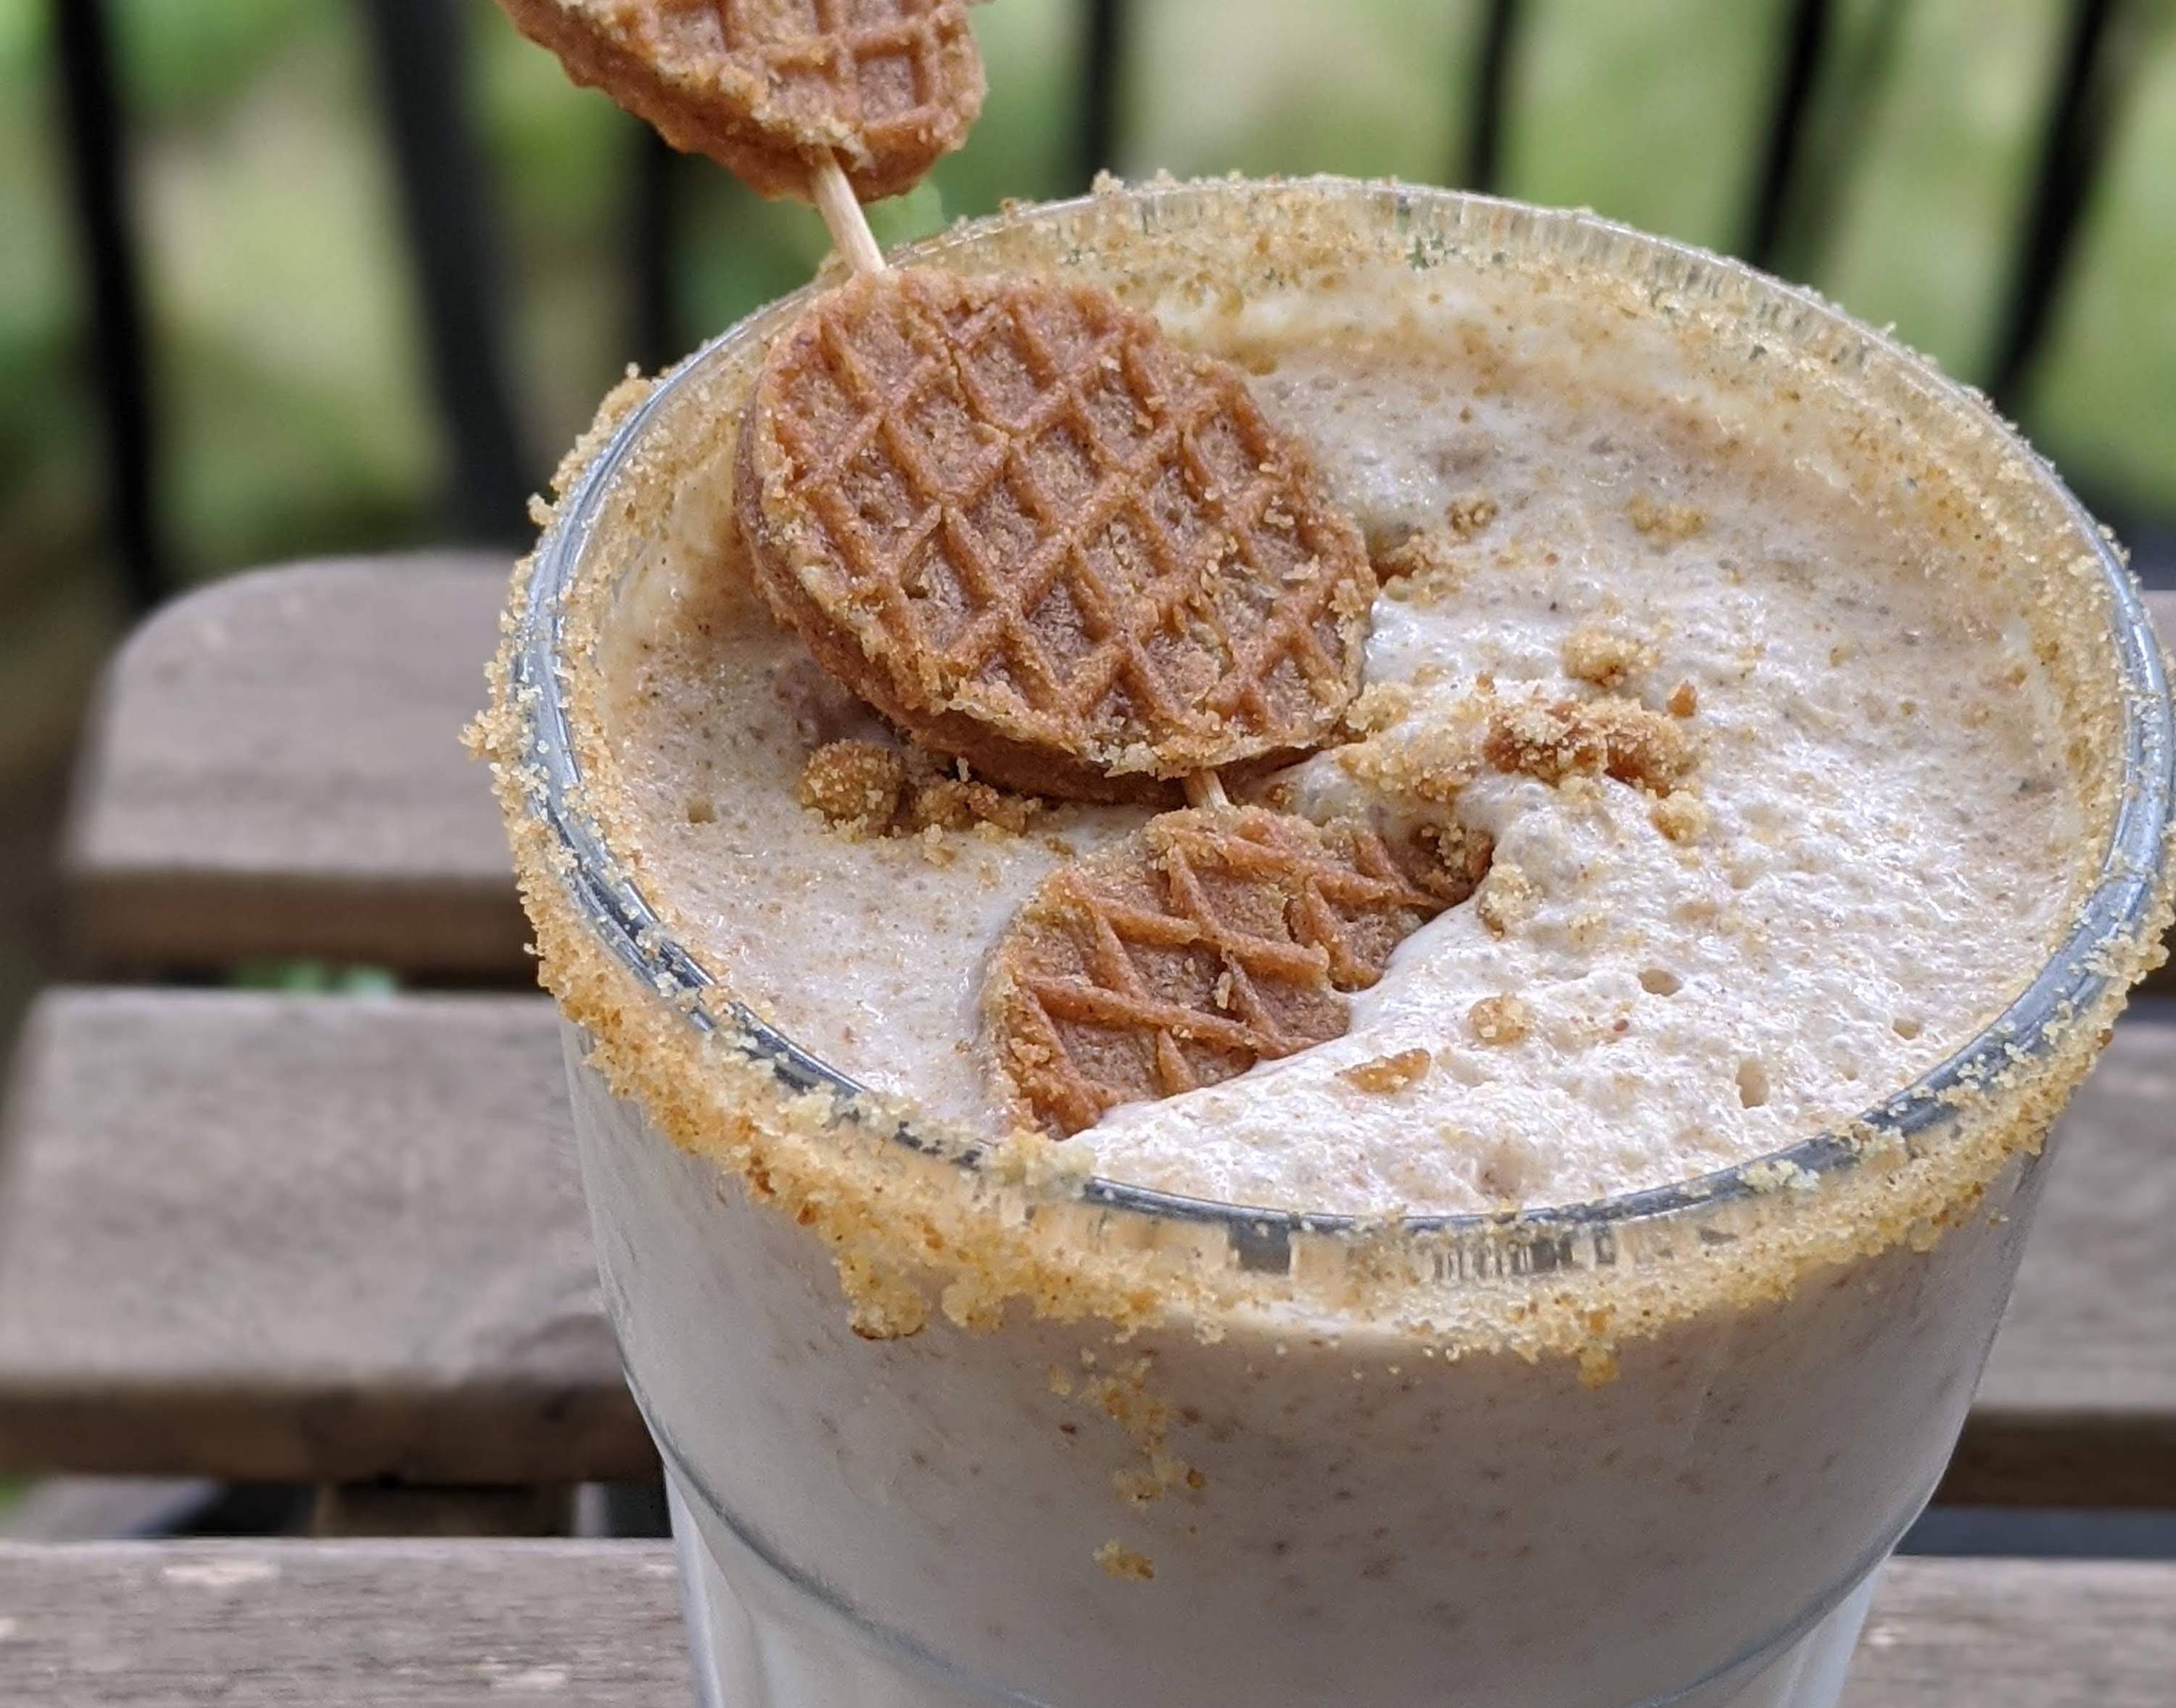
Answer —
773 89
1041 537
1023 523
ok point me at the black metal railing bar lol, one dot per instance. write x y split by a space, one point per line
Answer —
421 48
654 334
1495 51
1103 37
96 136
1797 67
2093 79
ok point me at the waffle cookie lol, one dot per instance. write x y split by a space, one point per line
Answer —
1204 943
767 87
1018 520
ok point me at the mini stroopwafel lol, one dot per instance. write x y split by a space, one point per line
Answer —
1203 944
767 88
1020 521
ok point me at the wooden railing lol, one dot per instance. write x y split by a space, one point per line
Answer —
458 277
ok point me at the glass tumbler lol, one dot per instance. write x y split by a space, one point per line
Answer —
942 1429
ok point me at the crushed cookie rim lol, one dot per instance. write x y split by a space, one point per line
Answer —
2077 977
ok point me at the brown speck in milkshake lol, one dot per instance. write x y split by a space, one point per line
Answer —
1507 898
1666 523
1383 1075
1681 816
866 789
1470 515
855 785
1607 657
1560 739
1500 1019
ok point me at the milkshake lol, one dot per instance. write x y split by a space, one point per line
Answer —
1584 1323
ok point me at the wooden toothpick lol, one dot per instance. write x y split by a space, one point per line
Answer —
851 236
842 214
1205 791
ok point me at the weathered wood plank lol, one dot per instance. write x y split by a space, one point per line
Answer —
2078 1405
300 1238
274 768
340 1624
272 1236
135 1625
2162 607
2018 1633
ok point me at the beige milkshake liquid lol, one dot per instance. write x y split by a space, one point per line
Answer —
1867 855
1767 687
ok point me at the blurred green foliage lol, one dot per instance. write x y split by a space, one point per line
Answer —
295 408
313 978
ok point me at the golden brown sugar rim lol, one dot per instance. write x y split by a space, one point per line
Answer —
949 1223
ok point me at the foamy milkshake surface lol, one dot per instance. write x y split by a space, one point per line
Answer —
949 1424
1858 847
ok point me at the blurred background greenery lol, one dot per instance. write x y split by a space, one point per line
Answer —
294 404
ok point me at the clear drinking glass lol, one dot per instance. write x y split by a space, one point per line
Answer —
1075 1443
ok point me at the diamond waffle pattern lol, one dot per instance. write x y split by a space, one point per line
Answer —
764 87
1024 506
878 68
1207 942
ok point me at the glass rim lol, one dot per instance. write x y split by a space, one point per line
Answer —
2074 977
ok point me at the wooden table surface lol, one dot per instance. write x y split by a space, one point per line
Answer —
259 1235
247 1235
276 768
388 1625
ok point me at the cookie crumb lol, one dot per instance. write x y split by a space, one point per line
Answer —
1555 740
951 803
1607 657
855 785
1387 1073
1468 515
934 848
1449 860
1423 569
1681 816
1128 1565
1434 762
1506 898
1683 701
1379 705
1549 741
1500 1019
1644 749
866 789
1666 524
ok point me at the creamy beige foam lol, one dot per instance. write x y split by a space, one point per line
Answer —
1870 860
1592 1461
